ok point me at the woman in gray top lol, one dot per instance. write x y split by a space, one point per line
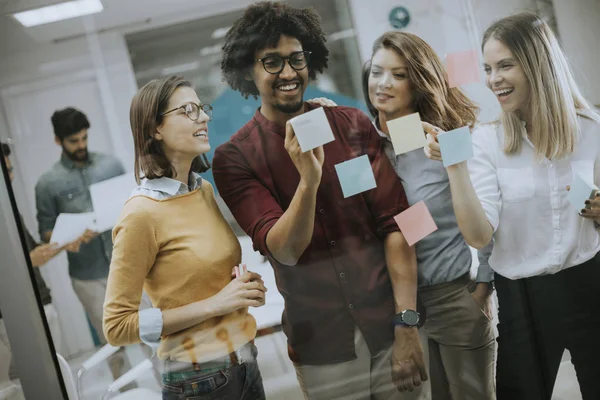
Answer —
405 76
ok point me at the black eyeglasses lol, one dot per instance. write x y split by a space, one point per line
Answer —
192 110
274 64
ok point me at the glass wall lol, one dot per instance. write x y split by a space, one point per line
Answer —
320 232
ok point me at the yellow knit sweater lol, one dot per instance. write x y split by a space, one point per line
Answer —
180 250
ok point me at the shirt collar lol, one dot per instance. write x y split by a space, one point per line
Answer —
171 186
524 134
381 133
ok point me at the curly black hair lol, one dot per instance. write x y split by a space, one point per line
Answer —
261 26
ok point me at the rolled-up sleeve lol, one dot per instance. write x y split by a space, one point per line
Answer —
388 199
250 202
47 210
134 253
151 326
482 170
485 272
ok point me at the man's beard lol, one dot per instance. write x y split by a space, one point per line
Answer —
78 156
289 108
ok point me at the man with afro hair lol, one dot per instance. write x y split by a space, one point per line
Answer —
342 265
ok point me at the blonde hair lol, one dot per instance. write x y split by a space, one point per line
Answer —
555 100
437 103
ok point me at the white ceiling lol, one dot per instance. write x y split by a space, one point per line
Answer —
119 15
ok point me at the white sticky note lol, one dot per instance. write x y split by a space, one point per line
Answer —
356 176
456 146
406 133
69 227
581 190
108 199
312 129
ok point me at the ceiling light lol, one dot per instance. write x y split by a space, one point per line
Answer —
345 34
177 69
220 33
58 12
210 50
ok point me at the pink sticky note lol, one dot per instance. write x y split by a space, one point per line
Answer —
416 223
463 68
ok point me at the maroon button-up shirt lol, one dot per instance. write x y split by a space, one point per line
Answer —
341 281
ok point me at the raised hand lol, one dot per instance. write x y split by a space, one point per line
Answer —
308 164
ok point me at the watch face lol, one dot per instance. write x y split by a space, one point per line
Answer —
410 317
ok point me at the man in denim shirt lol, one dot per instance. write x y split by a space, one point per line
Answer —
65 189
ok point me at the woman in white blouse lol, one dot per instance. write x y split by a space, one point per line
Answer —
515 190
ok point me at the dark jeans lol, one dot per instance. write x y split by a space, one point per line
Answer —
240 382
540 317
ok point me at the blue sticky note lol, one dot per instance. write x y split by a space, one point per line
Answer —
580 191
356 176
456 146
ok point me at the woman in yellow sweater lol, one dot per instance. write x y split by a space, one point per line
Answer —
173 242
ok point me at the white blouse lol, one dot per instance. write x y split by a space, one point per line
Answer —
536 230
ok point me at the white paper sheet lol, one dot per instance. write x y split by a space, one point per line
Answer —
108 199
69 227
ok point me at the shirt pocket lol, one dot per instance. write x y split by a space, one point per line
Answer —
516 184
74 201
584 168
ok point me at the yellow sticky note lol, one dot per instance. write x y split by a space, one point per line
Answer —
406 133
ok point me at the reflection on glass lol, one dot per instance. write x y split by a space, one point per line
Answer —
80 75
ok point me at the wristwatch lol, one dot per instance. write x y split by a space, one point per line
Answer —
408 318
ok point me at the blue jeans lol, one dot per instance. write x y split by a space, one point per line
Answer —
239 382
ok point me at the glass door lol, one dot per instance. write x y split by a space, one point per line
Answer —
33 371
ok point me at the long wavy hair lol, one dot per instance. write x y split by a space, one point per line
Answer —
437 103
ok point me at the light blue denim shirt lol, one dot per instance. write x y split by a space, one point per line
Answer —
65 188
444 255
150 319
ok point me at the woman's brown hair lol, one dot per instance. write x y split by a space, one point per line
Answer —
145 117
437 103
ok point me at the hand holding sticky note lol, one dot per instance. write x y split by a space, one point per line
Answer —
416 223
240 270
456 146
581 190
406 133
463 68
312 129
356 176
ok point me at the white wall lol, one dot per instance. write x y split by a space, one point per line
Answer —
579 29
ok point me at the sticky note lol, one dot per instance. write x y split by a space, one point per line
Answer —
312 129
456 146
416 222
463 68
406 133
581 190
356 176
